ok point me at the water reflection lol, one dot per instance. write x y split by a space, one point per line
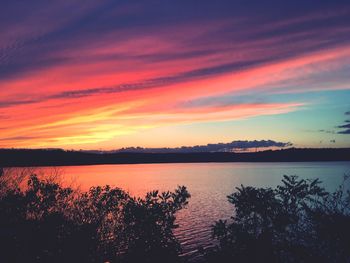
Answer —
209 184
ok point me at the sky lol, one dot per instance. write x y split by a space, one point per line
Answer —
108 74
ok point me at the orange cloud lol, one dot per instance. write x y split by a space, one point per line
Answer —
83 102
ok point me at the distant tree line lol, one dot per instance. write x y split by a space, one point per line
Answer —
57 157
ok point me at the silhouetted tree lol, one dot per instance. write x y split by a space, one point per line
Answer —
296 222
49 223
44 222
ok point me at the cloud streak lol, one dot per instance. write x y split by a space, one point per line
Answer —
115 68
345 128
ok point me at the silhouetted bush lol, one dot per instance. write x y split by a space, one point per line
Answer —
44 222
296 222
49 223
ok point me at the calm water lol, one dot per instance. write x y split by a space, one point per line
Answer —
208 184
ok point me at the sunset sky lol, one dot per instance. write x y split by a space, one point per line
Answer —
159 73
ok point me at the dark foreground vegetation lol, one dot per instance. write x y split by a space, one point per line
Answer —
296 222
48 223
41 221
58 157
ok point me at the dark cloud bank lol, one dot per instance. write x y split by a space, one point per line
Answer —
216 147
345 127
340 129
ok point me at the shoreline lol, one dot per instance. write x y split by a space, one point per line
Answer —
40 158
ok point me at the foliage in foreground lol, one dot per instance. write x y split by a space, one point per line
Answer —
43 222
296 222
49 223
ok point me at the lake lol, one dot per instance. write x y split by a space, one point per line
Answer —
208 184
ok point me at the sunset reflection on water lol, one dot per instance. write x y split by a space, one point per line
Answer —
208 183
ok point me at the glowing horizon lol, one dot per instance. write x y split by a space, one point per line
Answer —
91 75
